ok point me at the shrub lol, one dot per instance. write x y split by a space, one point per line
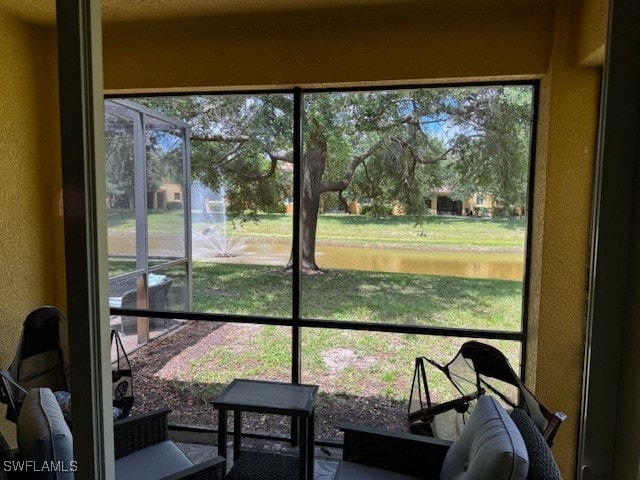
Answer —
173 205
279 208
376 210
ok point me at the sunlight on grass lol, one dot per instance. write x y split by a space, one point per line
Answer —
368 364
459 232
346 363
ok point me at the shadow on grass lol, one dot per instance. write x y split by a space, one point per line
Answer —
158 367
361 296
192 406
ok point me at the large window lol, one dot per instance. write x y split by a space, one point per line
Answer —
336 235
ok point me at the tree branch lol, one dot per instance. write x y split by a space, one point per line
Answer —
282 155
219 137
343 202
343 183
255 178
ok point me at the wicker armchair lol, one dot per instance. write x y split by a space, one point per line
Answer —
123 294
398 453
142 450
492 446
138 433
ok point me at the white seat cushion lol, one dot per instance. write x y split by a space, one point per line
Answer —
355 471
152 463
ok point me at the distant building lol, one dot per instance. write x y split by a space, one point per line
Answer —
165 193
478 204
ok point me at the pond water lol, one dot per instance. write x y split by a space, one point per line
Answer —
503 266
470 264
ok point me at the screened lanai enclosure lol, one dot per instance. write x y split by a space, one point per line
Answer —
148 215
302 236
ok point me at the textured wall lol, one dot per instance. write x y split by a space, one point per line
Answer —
26 168
592 32
372 45
571 95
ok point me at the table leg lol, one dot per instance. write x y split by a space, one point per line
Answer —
311 447
295 428
237 434
222 432
303 454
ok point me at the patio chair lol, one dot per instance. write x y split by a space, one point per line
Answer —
124 294
41 359
142 451
491 446
119 287
476 368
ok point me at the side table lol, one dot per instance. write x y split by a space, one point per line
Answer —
294 400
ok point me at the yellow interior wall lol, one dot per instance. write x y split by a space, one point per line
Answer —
380 45
571 95
28 166
591 32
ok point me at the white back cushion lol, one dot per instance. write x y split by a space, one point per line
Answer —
489 447
44 437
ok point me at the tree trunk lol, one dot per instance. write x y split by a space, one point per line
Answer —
313 167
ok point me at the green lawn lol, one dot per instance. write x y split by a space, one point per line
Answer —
359 296
459 232
368 363
376 364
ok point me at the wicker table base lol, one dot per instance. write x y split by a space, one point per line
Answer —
253 465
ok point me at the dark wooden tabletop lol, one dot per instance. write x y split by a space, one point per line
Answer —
268 397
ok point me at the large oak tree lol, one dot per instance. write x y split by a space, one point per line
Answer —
382 146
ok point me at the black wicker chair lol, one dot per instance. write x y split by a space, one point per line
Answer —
139 432
394 452
132 435
381 454
125 290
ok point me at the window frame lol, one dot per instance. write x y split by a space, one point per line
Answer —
297 322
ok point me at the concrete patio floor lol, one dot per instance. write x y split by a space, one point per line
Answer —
326 459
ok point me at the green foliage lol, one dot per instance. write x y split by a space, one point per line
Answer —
380 147
473 139
174 205
491 153
163 145
119 162
232 140
376 209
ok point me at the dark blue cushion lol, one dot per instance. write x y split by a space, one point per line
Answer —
542 465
